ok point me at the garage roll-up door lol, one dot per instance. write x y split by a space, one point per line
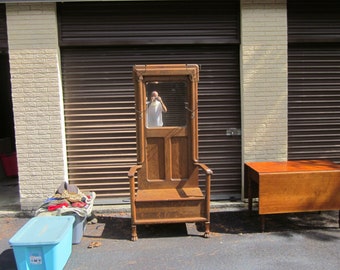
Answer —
313 21
99 93
100 115
314 102
149 23
314 80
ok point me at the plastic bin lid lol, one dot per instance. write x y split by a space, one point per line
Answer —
45 230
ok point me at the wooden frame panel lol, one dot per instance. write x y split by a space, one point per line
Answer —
168 190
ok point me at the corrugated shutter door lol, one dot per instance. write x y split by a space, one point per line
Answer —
313 21
314 102
3 28
99 92
149 23
314 80
100 116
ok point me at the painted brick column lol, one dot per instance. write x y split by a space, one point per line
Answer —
37 99
264 86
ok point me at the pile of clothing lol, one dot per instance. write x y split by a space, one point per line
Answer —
68 199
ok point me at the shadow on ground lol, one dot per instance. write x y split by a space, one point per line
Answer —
118 226
7 260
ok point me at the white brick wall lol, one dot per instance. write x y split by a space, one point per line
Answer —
264 89
36 93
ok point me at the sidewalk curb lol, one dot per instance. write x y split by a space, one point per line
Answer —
218 206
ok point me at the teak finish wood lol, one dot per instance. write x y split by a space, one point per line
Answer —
166 189
294 186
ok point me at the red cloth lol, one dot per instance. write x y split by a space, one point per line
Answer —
56 206
78 204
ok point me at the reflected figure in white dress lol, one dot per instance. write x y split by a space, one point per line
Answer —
155 110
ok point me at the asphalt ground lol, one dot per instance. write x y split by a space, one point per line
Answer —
291 241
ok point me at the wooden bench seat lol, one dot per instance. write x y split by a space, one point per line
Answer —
170 206
169 194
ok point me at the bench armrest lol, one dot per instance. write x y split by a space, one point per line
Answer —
133 170
205 168
208 174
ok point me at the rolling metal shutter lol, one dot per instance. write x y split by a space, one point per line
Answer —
314 80
3 28
313 21
99 104
149 23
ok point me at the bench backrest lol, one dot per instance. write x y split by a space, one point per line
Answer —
167 153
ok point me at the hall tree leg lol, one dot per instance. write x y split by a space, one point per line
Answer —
134 236
207 230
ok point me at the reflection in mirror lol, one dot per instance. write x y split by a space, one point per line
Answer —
165 103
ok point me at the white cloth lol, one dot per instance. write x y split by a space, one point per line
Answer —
154 114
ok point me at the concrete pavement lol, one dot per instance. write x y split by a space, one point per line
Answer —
292 241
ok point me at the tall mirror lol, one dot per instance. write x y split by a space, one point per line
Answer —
166 103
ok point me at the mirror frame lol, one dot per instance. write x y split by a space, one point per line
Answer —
165 72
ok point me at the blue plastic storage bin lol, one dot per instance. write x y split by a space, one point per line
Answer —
43 243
